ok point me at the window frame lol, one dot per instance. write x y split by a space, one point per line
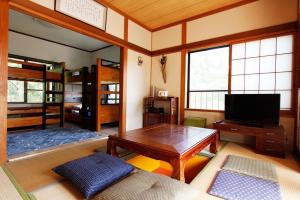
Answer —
233 41
188 90
26 91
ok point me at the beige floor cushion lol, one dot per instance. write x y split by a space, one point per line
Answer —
251 167
147 186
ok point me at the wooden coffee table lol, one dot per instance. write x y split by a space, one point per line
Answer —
171 143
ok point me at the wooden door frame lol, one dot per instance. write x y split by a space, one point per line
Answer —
4 17
38 11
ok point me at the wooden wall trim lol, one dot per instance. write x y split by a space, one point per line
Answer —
123 91
228 7
65 21
225 40
4 9
183 75
126 29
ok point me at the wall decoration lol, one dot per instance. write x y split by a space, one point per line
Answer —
163 62
140 61
88 11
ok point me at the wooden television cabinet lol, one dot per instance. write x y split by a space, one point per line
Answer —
268 140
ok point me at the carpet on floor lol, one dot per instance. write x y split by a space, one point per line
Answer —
29 141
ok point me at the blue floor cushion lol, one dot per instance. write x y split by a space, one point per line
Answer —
234 186
94 173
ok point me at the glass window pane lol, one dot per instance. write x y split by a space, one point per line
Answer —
215 97
222 101
237 92
267 81
266 92
209 69
15 91
267 64
285 99
285 44
252 66
16 65
203 100
34 96
238 51
252 49
35 85
192 101
238 67
284 62
284 81
268 47
237 82
251 92
209 100
251 82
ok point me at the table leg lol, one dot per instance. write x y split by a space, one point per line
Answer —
213 144
178 169
111 148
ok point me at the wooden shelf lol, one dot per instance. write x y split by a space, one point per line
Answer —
169 116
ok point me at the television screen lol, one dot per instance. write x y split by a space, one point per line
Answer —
255 109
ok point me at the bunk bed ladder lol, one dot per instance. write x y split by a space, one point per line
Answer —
85 96
62 106
44 115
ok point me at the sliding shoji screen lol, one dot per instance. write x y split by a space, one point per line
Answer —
264 67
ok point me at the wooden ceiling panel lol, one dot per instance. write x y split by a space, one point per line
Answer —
158 13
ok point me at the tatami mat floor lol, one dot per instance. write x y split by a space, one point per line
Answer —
35 175
35 172
288 171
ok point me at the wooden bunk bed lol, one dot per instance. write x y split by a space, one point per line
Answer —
49 110
92 99
80 97
108 84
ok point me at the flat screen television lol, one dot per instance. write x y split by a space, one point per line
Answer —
253 109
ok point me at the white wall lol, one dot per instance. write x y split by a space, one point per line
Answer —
165 38
35 48
139 35
173 69
258 14
111 53
115 24
138 87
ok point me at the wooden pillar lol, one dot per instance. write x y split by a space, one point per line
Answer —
4 8
123 91
98 94
183 75
123 82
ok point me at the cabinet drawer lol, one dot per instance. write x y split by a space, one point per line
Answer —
273 135
270 146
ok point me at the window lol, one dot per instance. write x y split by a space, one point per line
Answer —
16 91
110 94
264 66
34 92
208 78
25 91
